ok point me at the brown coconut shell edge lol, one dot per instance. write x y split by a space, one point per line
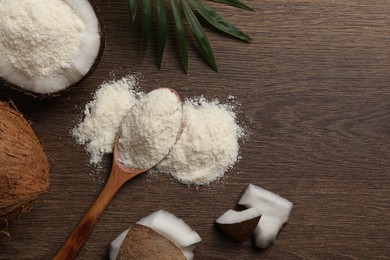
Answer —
24 170
93 67
142 242
240 231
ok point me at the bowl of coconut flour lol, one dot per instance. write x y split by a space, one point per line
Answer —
47 46
206 149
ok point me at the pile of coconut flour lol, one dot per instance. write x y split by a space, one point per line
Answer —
207 147
103 116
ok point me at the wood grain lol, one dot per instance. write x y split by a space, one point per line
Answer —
315 98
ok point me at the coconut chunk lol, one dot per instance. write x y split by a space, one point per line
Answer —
275 212
142 242
239 224
267 202
172 227
161 235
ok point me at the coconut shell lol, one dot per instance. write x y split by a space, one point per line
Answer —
24 169
142 242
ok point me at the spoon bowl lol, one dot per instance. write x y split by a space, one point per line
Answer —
119 175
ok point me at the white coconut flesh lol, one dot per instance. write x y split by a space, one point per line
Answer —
117 243
81 64
232 216
167 225
275 212
171 227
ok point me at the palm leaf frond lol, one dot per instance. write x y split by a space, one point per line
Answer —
146 22
236 3
185 9
133 12
181 35
161 30
218 21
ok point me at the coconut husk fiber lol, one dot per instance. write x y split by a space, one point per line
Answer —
24 169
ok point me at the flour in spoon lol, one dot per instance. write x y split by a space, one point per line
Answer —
150 129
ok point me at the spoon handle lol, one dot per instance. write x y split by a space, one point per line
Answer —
85 226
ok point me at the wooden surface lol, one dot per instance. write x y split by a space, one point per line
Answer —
315 98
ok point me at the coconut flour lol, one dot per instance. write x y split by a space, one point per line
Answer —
39 37
208 145
103 116
150 129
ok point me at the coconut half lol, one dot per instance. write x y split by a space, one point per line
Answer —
163 235
24 173
70 70
275 212
239 224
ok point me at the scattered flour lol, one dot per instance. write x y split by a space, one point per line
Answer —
103 116
208 145
39 37
150 129
206 149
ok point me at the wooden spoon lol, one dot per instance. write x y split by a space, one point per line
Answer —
119 175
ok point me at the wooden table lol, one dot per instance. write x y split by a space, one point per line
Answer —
315 99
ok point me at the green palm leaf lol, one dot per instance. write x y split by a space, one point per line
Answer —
146 22
187 7
181 35
161 30
218 21
236 3
199 35
133 12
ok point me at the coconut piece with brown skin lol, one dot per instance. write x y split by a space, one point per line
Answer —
164 236
24 169
142 242
275 212
239 224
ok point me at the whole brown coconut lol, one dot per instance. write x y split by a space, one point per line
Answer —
24 170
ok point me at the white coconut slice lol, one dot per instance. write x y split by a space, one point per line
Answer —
267 202
239 224
267 231
233 217
275 212
171 227
90 50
